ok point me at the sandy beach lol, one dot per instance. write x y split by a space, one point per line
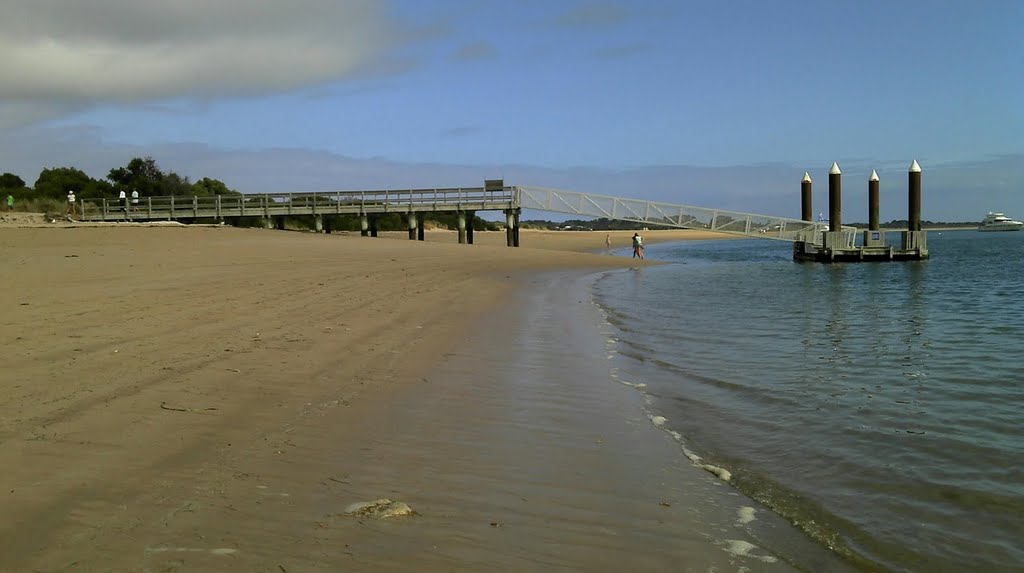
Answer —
217 399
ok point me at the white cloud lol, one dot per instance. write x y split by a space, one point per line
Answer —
59 55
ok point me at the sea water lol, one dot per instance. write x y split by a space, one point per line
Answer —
877 406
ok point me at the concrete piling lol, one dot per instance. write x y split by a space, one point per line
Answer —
364 224
420 219
873 237
914 239
835 200
373 226
509 228
515 228
462 227
873 201
411 219
806 212
914 199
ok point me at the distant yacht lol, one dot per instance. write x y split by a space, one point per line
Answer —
999 222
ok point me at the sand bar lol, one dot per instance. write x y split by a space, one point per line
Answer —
213 399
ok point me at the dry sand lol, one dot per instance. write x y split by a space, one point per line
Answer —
213 399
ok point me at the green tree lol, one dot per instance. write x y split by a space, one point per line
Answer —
56 182
174 184
208 187
141 174
11 181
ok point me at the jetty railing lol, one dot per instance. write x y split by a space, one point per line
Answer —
311 203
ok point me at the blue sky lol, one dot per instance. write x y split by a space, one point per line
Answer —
716 104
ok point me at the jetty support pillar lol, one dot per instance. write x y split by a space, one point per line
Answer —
512 227
873 237
469 226
806 212
373 226
835 199
364 224
318 223
421 218
462 227
833 238
509 225
515 228
914 239
412 220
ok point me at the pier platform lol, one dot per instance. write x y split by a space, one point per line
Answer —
840 248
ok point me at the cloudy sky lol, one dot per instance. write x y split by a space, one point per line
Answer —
716 104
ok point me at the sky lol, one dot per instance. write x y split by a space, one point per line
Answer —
713 104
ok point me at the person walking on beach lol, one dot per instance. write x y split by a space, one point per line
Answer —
71 203
638 246
10 202
608 241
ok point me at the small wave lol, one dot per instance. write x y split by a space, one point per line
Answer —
741 548
746 515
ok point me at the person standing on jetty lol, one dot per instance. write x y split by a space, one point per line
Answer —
638 246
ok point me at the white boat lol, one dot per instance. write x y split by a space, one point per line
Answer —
999 222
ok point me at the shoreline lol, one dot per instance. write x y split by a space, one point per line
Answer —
216 398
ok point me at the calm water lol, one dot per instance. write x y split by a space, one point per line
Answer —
876 405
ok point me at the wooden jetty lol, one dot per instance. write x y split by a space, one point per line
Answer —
272 208
838 243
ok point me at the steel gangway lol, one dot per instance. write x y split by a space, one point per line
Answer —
672 215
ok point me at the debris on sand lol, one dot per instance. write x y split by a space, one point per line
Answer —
379 508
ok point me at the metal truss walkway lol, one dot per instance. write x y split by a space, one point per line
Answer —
670 215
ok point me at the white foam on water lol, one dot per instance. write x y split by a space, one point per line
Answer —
218 551
722 473
746 515
224 551
658 420
741 548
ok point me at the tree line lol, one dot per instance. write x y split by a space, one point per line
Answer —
141 174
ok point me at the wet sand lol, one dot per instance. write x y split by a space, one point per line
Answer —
213 399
